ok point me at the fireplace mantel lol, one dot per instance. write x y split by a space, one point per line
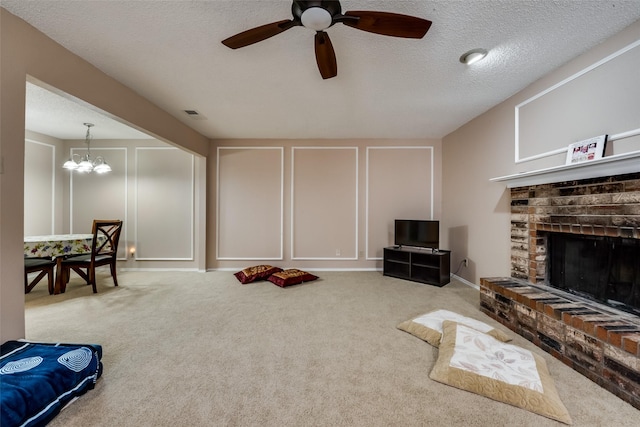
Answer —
612 165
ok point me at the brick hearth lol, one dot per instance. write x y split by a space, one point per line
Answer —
598 341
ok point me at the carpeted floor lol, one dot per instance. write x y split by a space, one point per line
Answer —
200 349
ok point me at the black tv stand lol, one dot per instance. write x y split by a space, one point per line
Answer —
418 264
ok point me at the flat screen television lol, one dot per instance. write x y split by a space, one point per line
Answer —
417 233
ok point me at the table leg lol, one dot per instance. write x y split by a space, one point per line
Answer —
59 286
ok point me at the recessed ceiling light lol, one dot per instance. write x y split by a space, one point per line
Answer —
474 55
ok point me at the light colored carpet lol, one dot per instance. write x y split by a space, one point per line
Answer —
200 349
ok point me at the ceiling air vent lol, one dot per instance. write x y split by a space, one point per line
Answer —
193 114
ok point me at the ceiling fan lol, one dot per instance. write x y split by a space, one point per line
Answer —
320 15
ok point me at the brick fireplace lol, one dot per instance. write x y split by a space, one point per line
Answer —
599 341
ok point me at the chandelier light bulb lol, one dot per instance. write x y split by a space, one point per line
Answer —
85 164
70 164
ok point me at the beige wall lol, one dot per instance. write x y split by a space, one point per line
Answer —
476 211
25 52
316 204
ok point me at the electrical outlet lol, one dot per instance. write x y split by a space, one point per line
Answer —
466 262
337 252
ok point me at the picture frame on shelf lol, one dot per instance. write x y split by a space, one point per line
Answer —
586 150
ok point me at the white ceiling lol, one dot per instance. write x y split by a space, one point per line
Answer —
170 52
56 115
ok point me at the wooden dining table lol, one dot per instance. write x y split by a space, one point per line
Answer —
57 246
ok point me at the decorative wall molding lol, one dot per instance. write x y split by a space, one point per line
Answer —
355 255
53 179
218 180
431 190
188 257
561 150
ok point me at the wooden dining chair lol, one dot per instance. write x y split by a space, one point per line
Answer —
42 266
104 250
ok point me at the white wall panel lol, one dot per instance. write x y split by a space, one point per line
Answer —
399 186
250 203
324 203
164 204
39 188
577 107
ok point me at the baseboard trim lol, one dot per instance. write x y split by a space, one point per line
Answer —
161 269
465 281
302 268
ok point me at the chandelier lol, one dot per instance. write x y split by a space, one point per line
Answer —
84 163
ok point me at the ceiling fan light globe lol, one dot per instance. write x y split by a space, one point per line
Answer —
316 18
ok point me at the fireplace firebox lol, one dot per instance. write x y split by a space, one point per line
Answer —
605 269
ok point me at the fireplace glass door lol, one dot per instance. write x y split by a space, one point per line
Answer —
604 269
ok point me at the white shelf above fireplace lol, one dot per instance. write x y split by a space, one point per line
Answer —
612 165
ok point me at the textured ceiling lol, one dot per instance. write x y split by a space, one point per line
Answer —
52 114
170 53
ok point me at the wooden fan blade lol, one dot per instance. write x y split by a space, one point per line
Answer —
258 34
325 56
388 24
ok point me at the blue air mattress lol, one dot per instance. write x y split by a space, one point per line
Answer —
37 380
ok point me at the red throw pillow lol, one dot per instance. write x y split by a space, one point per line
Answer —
291 277
258 272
